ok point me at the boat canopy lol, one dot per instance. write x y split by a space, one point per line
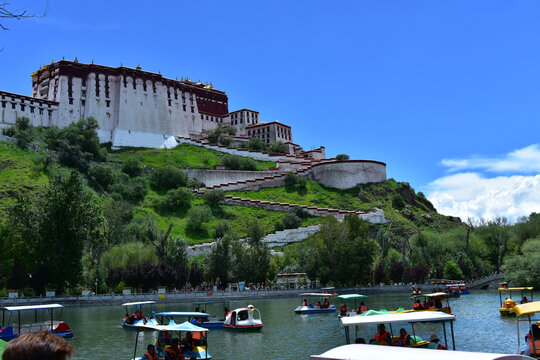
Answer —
352 296
527 288
376 352
139 303
185 326
526 309
33 307
180 313
436 294
317 294
398 317
215 302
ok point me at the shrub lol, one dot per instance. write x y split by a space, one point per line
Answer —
232 162
291 221
197 216
102 175
278 148
24 132
300 212
133 190
10 131
168 178
290 178
342 157
398 202
132 167
222 228
194 184
278 226
214 197
225 140
301 180
175 199
256 144
248 164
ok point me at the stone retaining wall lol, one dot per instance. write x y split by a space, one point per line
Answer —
348 174
217 177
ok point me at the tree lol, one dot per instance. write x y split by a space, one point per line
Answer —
291 221
132 167
197 216
290 178
175 199
523 269
219 261
452 271
342 157
214 197
168 178
255 143
278 148
24 132
6 13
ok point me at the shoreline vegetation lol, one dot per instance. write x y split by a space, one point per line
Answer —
69 221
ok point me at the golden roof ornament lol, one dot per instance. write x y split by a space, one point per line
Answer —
199 82
76 60
138 66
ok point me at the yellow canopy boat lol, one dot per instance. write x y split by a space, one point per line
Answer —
509 303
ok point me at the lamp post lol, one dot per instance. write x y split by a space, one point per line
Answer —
96 286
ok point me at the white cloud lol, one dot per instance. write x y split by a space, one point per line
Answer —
473 195
525 160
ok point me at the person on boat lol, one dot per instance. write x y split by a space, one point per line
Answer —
199 338
524 300
417 305
43 345
319 304
127 320
174 352
362 308
431 304
187 341
382 337
343 310
530 348
164 338
150 353
438 303
304 303
326 303
404 338
434 343
425 305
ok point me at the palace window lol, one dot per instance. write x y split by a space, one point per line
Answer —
22 107
31 109
40 111
108 103
70 101
169 102
3 104
13 106
192 109
83 102
184 107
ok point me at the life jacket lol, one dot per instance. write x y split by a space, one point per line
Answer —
417 306
343 309
175 355
441 347
536 346
363 308
304 303
403 339
134 316
150 357
384 337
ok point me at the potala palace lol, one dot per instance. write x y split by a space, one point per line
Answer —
136 108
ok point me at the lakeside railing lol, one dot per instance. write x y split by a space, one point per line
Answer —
186 296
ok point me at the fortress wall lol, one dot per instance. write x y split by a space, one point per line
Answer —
348 174
253 184
216 177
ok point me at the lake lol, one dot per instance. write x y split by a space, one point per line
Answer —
286 335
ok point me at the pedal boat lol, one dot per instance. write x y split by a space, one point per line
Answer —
376 352
506 306
390 318
433 296
212 322
9 332
197 351
247 318
528 310
353 297
136 308
314 309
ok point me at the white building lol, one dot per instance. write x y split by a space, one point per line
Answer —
133 107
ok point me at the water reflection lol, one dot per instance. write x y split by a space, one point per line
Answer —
287 335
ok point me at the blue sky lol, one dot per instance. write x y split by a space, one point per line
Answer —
445 93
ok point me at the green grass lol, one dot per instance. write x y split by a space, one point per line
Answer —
17 173
235 215
183 156
314 195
